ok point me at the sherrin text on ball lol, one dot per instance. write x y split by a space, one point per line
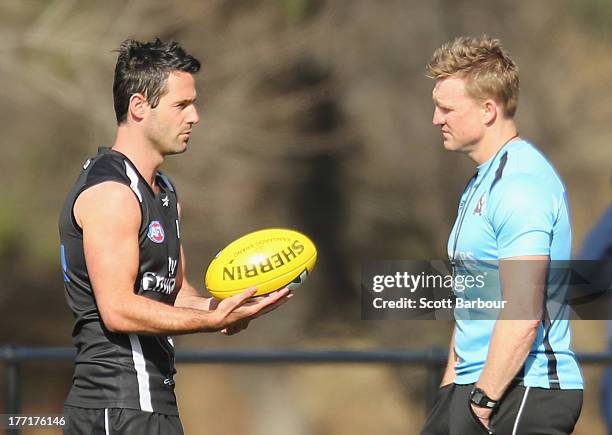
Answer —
268 259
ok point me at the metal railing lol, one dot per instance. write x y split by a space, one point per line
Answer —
433 359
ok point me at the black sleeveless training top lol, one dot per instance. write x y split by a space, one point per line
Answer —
116 370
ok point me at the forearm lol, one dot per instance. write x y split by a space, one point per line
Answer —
510 344
141 315
449 371
523 280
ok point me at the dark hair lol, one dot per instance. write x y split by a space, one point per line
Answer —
143 67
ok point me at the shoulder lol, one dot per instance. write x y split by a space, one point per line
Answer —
108 202
524 185
111 192
525 194
527 177
107 163
527 160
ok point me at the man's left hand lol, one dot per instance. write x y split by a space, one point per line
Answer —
236 327
483 414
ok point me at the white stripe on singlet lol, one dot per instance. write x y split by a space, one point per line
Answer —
106 425
520 411
142 376
133 176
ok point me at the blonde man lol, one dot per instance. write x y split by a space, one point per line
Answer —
517 375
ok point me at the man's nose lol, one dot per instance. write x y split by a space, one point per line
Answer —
194 116
438 118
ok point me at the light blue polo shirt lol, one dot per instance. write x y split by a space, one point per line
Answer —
516 205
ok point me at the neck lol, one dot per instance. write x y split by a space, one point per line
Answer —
140 152
493 141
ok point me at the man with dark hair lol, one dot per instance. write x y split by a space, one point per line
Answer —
144 68
122 260
516 373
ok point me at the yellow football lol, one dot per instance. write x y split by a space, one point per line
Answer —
268 259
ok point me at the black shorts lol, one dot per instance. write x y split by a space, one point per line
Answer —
119 421
522 411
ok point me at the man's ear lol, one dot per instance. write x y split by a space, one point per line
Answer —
489 110
137 106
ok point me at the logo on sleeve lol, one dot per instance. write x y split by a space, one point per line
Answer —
156 232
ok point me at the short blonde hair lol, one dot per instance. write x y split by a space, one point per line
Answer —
484 64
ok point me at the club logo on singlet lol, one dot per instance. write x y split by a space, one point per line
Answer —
156 232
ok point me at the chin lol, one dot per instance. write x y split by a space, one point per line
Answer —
452 145
181 147
176 150
449 146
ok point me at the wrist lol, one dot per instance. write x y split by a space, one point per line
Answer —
480 399
492 390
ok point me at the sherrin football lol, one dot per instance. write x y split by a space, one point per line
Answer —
268 259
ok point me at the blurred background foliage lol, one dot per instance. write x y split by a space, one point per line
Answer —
316 115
